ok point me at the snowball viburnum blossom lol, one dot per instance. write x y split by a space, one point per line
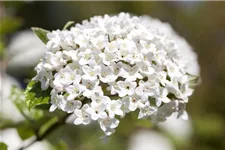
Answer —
109 66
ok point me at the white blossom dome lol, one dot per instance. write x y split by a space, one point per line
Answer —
109 66
189 57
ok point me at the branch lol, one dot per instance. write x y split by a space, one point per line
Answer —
48 131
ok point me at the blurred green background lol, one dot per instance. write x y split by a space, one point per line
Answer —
202 24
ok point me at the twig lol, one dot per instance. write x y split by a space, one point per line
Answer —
48 131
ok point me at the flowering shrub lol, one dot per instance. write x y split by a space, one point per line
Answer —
104 68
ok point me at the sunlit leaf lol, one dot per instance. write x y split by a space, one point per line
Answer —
41 33
35 95
68 24
18 98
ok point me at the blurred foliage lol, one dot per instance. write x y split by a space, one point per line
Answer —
8 24
18 98
3 146
38 121
201 23
1 48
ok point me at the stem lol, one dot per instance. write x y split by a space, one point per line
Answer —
48 131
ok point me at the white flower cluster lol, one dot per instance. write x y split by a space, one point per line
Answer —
109 66
188 56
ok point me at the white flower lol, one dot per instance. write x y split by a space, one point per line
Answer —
146 68
188 56
74 90
114 108
99 98
107 75
173 70
65 77
136 101
56 100
147 47
70 55
90 73
114 65
136 57
81 39
146 111
161 77
112 46
108 125
97 111
85 57
165 111
107 57
126 87
125 105
44 77
126 45
118 69
99 42
82 116
70 106
162 96
174 88
159 56
53 61
132 72
90 87
149 88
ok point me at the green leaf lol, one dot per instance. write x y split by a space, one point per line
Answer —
44 107
35 95
194 80
41 33
18 98
68 24
25 132
3 146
